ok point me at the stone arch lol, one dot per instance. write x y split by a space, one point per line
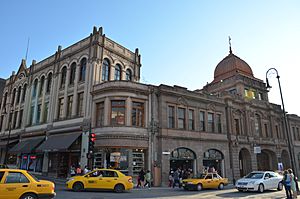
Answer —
285 158
183 158
213 158
266 160
245 163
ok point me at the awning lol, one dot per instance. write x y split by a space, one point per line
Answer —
26 146
59 142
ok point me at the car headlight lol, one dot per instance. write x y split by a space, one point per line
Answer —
252 182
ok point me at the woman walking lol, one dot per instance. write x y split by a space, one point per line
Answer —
293 184
148 179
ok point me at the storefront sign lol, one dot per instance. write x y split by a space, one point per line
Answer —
166 152
32 157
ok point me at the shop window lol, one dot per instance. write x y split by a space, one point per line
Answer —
210 122
82 69
137 114
117 112
118 72
202 121
80 105
191 120
181 118
100 114
171 117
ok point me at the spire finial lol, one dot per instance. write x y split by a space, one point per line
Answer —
229 40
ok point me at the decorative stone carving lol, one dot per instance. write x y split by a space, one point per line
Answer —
182 101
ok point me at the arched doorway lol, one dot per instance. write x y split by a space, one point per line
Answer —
214 158
245 162
285 159
183 158
266 160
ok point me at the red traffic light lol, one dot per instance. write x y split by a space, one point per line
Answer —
93 137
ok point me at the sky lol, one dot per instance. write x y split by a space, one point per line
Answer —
180 42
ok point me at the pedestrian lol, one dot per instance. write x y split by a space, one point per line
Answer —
78 170
72 171
171 180
141 178
287 184
86 170
176 177
293 184
148 179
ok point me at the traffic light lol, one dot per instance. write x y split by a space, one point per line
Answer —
92 139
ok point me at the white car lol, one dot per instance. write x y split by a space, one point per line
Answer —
260 181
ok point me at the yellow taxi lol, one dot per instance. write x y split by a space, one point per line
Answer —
106 179
19 184
203 181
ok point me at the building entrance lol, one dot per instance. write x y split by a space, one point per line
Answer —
214 160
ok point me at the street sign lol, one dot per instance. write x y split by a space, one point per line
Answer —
257 149
166 152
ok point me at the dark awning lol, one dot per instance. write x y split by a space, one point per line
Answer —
26 146
59 142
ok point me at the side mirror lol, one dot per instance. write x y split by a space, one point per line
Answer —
267 177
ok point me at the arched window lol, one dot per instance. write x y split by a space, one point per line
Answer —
19 94
24 92
48 89
42 86
82 69
13 97
34 87
105 70
63 77
118 72
128 75
73 72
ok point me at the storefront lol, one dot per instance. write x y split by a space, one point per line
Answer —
31 162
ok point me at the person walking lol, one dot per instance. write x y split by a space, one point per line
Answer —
176 178
287 184
72 171
293 184
141 178
148 179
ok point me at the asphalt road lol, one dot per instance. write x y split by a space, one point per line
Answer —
166 193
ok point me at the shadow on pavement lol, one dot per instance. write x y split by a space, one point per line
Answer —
237 194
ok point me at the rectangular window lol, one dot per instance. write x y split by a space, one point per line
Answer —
15 120
171 117
20 118
38 115
237 126
80 105
60 108
266 131
191 120
210 122
100 114
202 121
219 123
181 118
31 115
137 114
246 92
260 96
118 112
277 132
46 109
69 106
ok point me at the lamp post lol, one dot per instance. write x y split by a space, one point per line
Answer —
284 117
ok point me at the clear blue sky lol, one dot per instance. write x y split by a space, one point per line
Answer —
181 42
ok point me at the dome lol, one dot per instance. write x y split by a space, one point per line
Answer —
230 66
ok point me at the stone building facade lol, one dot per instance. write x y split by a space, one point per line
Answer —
50 108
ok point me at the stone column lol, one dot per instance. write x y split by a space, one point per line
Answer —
128 111
106 111
45 163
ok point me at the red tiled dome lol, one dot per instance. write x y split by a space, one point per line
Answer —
230 66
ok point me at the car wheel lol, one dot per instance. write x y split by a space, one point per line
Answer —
185 188
119 188
29 196
221 186
261 188
280 186
199 187
78 186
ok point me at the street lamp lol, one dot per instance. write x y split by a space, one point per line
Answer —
284 116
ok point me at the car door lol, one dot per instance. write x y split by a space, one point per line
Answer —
274 180
92 180
109 179
208 181
14 185
267 181
216 181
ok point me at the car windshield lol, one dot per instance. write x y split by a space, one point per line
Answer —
255 175
35 178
